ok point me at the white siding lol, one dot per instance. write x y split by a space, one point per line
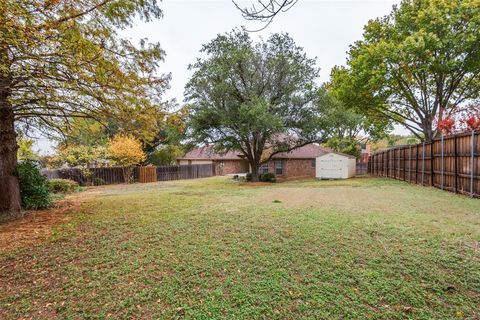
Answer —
335 166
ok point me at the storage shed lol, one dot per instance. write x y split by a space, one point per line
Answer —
334 165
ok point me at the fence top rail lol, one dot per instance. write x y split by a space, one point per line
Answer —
445 138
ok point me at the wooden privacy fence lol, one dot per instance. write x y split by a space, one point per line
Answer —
450 163
115 175
194 171
361 168
147 174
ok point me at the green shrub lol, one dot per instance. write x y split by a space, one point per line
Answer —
264 177
62 185
34 189
98 182
267 177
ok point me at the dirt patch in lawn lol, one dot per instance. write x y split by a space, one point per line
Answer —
255 184
35 226
187 193
343 198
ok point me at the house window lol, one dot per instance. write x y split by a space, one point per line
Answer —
264 168
278 167
314 163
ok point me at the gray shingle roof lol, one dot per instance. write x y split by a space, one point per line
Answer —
309 151
207 153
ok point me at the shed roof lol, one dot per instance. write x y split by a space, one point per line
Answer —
339 153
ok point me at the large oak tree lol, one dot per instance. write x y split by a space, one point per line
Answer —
61 59
255 98
418 63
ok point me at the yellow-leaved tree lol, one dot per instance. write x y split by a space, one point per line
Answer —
126 151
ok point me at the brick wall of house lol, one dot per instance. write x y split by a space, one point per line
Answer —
294 168
223 167
298 168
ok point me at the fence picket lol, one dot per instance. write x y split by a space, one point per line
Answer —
114 175
472 167
452 165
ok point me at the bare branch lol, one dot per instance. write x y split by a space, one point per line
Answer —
266 11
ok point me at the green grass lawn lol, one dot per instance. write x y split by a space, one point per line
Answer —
212 249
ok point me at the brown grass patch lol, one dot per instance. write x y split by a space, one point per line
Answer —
189 193
255 184
35 226
345 198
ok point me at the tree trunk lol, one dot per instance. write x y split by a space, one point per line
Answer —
9 188
254 167
428 131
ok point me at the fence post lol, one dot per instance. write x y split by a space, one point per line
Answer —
410 164
456 163
372 165
404 164
384 167
432 172
387 154
472 152
383 163
399 162
394 159
423 163
416 165
442 162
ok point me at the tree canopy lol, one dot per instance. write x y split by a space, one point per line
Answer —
251 97
65 59
417 64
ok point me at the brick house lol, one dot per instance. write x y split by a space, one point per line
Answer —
228 163
298 163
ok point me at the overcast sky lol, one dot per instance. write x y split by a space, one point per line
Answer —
325 29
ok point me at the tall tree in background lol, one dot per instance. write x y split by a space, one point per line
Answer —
255 98
413 66
350 127
64 59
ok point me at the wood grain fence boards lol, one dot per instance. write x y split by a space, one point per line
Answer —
110 175
147 174
450 163
115 175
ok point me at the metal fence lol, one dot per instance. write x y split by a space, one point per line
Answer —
450 163
115 175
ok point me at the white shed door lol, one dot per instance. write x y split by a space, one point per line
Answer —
331 167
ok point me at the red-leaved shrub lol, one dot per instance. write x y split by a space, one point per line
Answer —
446 125
472 122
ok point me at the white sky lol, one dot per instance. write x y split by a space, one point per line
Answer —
325 29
